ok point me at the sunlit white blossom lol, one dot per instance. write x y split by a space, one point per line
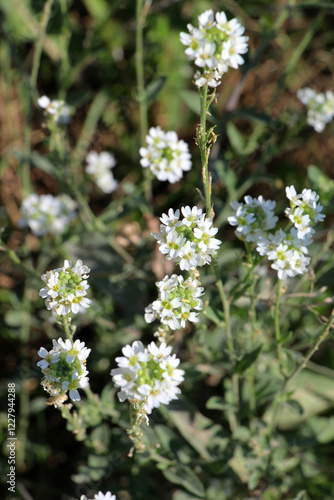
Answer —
64 369
178 302
304 211
153 379
189 241
66 288
165 155
253 218
100 496
215 46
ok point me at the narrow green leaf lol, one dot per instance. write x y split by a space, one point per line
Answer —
247 360
296 406
184 476
214 315
154 88
43 163
216 403
235 137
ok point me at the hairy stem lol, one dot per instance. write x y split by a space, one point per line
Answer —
251 373
277 327
204 141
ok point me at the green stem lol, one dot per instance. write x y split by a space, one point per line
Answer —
324 333
68 327
31 90
277 328
235 378
204 140
141 13
202 143
140 17
16 260
278 400
23 422
39 44
251 373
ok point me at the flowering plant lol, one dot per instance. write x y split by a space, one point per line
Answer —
190 360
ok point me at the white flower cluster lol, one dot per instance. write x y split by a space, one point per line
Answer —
64 369
320 107
177 298
287 250
189 241
304 210
47 214
148 374
98 167
215 46
66 288
165 155
100 496
58 111
253 217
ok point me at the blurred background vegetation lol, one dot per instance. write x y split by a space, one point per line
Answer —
263 145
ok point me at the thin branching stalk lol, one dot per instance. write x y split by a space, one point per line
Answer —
205 140
251 373
32 85
39 43
280 396
23 421
141 94
141 13
277 327
68 328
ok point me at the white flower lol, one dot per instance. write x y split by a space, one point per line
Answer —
215 46
304 210
190 242
100 496
47 214
154 380
211 77
194 41
292 195
57 110
253 218
206 20
287 252
64 369
98 167
165 155
178 298
66 288
205 56
320 107
133 355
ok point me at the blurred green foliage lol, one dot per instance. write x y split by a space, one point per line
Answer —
88 59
